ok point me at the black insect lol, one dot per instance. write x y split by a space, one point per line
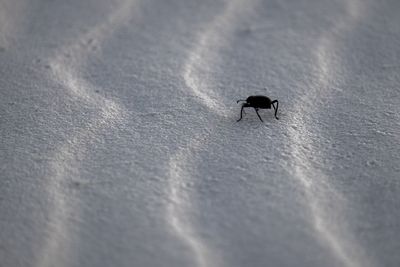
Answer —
258 102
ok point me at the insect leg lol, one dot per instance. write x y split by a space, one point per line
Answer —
241 112
258 114
276 109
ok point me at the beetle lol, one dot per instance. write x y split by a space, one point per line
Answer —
258 102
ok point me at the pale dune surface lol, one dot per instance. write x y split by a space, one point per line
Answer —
120 146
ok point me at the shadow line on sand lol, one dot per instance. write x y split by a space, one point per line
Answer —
332 233
68 156
199 62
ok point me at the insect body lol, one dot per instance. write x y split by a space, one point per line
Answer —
258 102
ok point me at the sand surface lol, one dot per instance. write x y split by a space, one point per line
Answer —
120 146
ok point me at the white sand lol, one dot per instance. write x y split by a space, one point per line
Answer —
120 146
